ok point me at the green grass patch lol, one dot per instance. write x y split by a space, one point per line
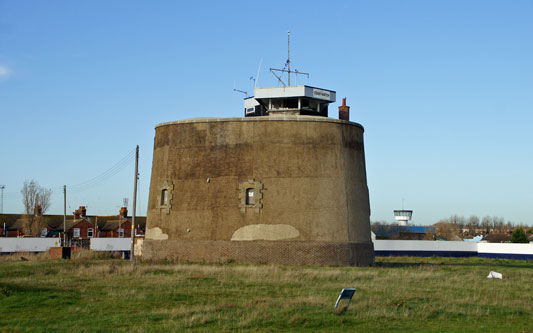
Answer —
402 293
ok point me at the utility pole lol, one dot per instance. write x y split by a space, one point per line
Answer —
132 253
2 187
64 214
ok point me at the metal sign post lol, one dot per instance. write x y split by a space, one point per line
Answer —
346 293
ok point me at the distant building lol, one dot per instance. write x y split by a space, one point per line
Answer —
403 216
403 232
496 238
79 226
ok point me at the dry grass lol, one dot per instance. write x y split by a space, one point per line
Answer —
80 254
24 256
398 293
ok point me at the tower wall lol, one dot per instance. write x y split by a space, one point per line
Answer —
309 204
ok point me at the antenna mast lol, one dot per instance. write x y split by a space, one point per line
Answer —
288 65
241 91
289 55
2 187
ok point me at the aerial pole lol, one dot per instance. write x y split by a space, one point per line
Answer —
289 55
134 206
288 65
2 187
64 214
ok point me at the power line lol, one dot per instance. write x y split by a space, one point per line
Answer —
104 176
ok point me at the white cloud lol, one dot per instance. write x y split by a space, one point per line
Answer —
4 72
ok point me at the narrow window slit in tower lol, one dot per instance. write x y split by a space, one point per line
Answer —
250 199
164 197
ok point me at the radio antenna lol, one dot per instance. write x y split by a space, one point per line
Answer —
289 55
288 65
258 71
237 90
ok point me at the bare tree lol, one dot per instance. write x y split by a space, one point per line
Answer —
447 230
473 224
34 195
498 223
486 223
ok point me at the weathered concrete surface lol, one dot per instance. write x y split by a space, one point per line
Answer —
265 232
308 173
276 252
155 233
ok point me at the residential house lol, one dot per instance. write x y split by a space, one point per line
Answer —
496 238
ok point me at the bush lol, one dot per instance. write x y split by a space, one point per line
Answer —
519 236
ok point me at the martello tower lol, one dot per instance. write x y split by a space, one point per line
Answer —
284 184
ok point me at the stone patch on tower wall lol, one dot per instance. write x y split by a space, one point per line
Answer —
269 232
156 234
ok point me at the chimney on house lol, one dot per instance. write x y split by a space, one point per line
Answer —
124 212
81 212
344 111
38 211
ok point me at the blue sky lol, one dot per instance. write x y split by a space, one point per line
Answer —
443 89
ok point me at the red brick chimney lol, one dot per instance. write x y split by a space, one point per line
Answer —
344 111
124 212
81 212
38 211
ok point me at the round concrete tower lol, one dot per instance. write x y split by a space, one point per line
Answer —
278 188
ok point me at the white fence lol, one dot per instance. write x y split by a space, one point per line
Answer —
453 249
381 247
8 244
34 244
505 250
111 244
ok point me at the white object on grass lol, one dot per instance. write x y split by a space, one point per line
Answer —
495 275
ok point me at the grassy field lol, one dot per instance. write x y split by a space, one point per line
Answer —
422 294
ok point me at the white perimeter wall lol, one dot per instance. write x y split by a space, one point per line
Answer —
12 244
111 244
420 245
406 245
507 248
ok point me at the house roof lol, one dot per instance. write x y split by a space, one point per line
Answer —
16 225
55 222
109 225
497 238
9 220
72 223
